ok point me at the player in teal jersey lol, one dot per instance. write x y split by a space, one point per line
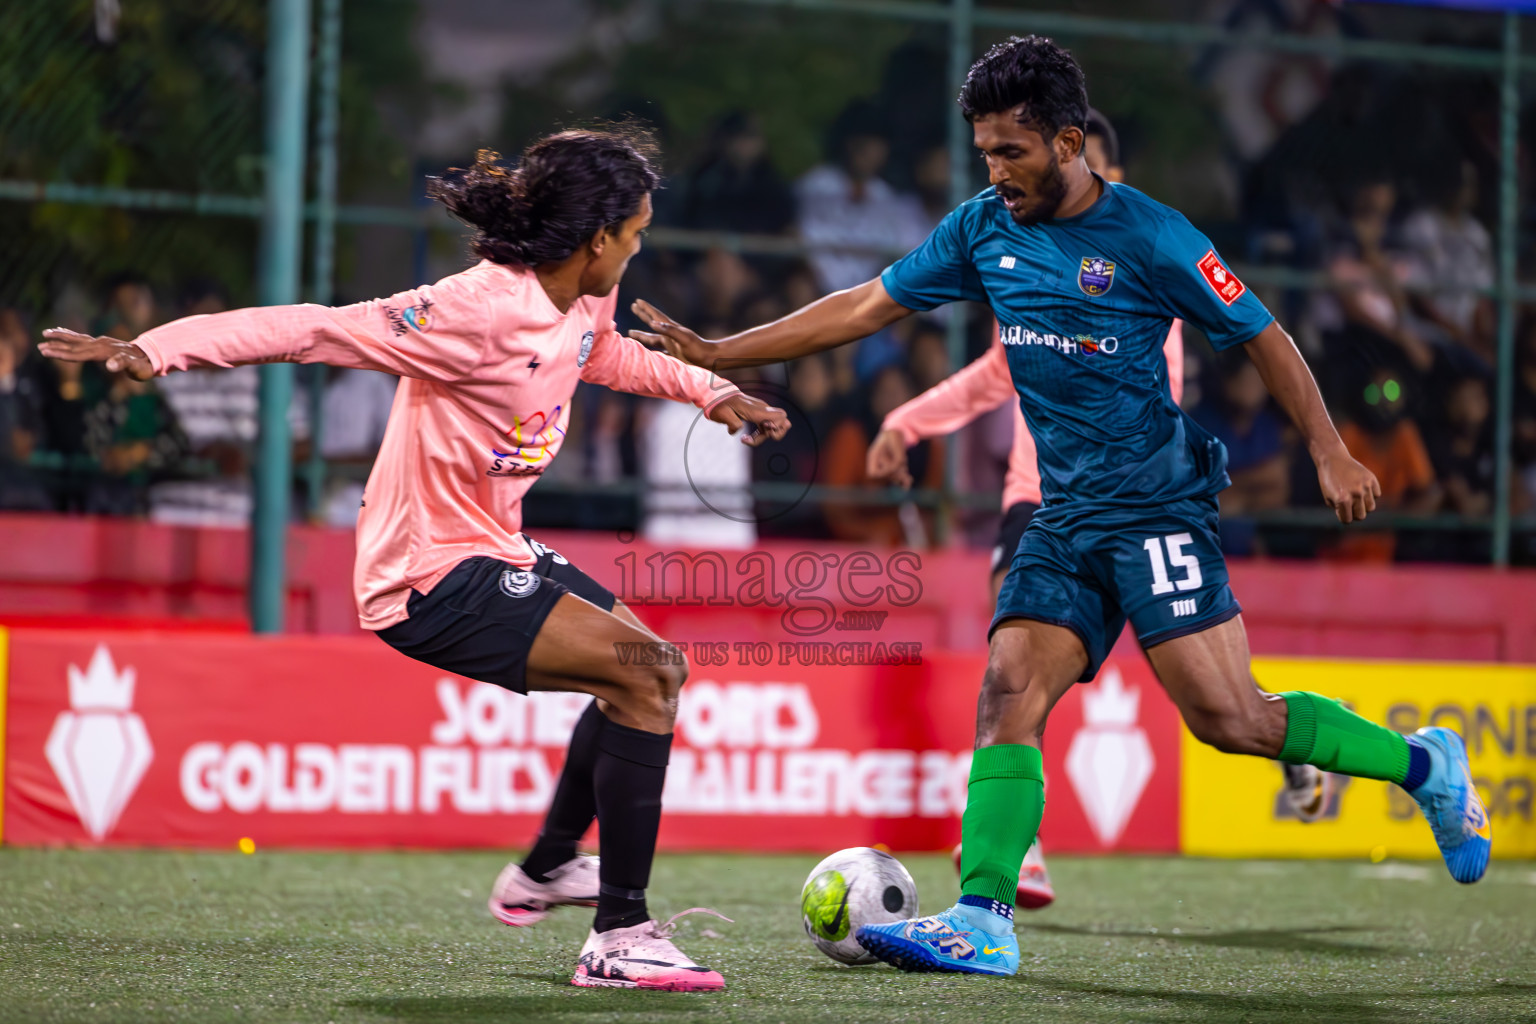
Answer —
1084 277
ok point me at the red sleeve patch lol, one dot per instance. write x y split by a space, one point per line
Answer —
1222 281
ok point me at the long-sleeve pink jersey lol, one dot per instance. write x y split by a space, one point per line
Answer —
984 385
488 366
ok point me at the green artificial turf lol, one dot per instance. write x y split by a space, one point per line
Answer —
163 936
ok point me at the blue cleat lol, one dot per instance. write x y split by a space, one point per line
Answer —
1453 807
950 941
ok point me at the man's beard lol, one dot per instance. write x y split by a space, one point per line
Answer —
1051 190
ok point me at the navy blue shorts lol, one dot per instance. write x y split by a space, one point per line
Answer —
1090 568
480 619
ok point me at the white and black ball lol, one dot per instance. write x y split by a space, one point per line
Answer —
851 888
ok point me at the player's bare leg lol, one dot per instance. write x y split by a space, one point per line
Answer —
578 649
1030 665
1209 678
553 874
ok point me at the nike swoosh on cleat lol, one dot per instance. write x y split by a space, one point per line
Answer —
989 950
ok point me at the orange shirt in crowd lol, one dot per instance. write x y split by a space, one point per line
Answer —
1401 464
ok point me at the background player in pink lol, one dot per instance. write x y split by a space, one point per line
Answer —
489 359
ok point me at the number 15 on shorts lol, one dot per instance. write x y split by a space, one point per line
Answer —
1175 543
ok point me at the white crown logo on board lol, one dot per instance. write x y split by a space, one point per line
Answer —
1110 760
99 748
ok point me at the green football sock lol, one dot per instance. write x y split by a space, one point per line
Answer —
1002 814
1324 733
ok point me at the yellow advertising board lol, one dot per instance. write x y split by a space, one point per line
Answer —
1232 806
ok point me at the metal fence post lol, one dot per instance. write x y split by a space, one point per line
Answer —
959 144
1509 140
322 284
282 235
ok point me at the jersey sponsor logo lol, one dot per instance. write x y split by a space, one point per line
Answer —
1182 608
1222 281
1067 344
519 582
1008 262
511 464
586 349
535 436
416 318
1096 276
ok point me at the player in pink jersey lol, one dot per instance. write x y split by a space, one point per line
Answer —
488 360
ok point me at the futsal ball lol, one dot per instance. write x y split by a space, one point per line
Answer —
854 887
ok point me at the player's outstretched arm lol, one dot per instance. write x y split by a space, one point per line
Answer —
626 365
830 321
74 347
448 332
1347 486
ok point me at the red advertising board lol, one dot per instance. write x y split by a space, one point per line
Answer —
141 738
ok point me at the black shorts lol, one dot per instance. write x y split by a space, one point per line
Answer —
480 620
1009 532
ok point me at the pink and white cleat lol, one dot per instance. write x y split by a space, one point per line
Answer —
644 957
1035 890
519 901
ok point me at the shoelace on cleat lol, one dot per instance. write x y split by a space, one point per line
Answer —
664 929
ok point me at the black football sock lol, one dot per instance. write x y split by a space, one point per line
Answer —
574 804
628 778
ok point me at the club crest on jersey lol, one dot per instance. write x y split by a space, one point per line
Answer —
1096 276
416 318
586 349
519 583
1222 281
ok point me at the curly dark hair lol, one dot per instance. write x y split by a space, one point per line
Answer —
567 188
1032 72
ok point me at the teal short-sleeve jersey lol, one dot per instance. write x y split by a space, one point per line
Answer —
1083 306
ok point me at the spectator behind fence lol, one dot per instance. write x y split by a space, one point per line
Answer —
1453 253
853 220
1365 321
355 409
928 354
1461 449
1525 416
1238 413
843 466
132 434
217 410
797 459
61 388
20 420
129 310
1382 437
734 185
698 477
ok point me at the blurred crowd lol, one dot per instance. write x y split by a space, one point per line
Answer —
1402 341
178 449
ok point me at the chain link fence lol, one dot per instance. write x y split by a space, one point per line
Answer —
1355 177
